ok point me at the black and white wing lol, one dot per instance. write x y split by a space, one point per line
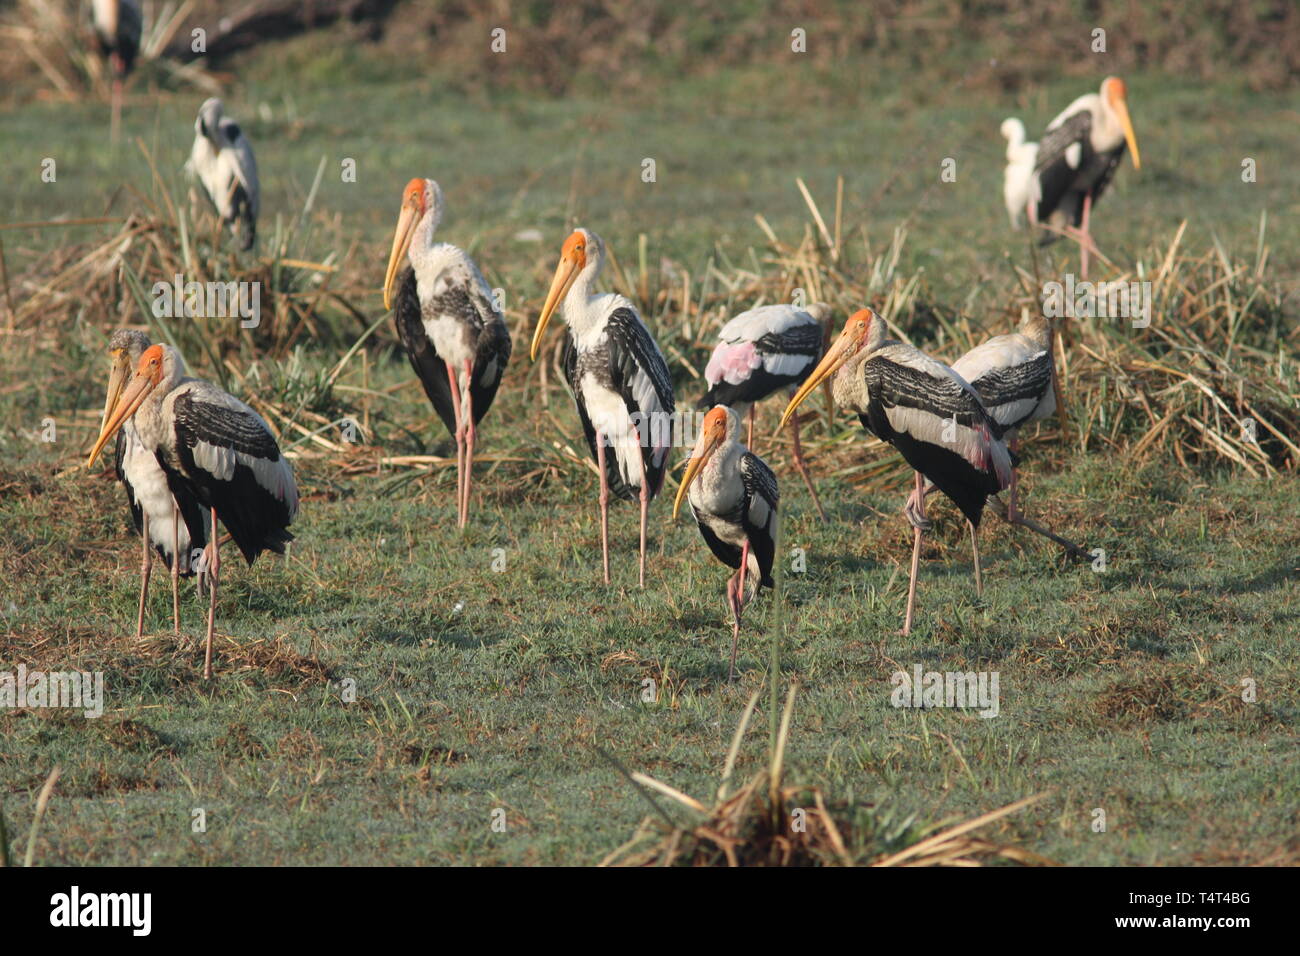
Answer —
429 367
231 460
935 419
1013 378
759 518
1063 152
639 375
760 352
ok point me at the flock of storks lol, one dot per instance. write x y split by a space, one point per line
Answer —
192 456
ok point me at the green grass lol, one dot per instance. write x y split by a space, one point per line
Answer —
479 689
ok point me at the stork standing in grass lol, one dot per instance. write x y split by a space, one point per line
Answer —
733 496
1019 185
925 410
118 26
453 333
170 522
619 381
222 161
215 448
1077 158
761 352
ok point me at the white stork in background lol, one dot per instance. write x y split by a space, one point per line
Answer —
1019 185
453 334
1077 158
222 161
734 497
760 352
170 522
118 25
214 447
619 381
925 410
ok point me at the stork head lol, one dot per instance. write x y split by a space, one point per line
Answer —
149 373
581 251
421 203
718 424
1115 95
1013 131
208 122
124 350
857 332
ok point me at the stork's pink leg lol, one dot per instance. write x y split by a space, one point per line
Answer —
1014 446
116 121
738 608
470 434
802 466
604 503
460 440
749 440
176 569
645 505
213 570
1087 237
975 552
919 509
146 567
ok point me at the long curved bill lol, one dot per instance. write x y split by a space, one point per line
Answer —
125 407
704 449
835 356
1129 136
565 274
117 376
407 220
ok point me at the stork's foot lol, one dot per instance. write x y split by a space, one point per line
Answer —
915 513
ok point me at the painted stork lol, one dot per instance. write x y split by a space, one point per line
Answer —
452 332
733 496
170 522
118 25
222 161
925 410
760 352
619 381
1019 185
214 447
1077 158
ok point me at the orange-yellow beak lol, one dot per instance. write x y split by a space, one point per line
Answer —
845 347
566 273
123 408
712 435
118 374
1121 107
407 220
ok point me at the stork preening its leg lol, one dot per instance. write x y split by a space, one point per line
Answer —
802 467
213 571
604 503
146 566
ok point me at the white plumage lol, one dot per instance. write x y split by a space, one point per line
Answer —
222 161
1019 184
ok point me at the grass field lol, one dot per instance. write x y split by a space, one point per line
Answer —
491 669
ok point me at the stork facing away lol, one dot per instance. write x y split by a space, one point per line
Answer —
1019 184
453 334
1077 158
926 411
761 352
118 25
171 522
619 382
222 161
214 448
734 497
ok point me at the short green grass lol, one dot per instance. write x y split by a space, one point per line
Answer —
491 679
